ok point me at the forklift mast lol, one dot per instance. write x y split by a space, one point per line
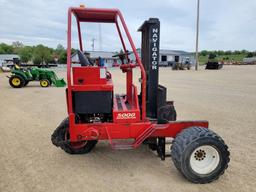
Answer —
150 31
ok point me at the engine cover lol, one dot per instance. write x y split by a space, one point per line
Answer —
90 102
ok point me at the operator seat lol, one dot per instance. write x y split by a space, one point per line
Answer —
83 59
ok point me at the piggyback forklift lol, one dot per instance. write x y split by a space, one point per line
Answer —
95 113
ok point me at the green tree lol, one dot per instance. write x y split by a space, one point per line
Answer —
37 60
6 49
63 58
237 52
60 49
220 52
26 54
228 52
60 53
1 50
42 54
204 53
17 46
244 51
250 54
212 56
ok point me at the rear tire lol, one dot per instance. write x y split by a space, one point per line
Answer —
62 134
16 81
200 154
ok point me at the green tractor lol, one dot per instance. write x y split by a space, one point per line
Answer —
21 77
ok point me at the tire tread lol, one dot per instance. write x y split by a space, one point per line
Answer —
184 139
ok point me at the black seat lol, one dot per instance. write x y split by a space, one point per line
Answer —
83 59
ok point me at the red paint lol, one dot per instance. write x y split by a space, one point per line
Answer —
88 76
129 119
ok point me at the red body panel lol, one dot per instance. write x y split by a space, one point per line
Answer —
90 79
89 75
129 130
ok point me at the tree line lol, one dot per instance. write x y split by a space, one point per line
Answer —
41 54
225 53
38 54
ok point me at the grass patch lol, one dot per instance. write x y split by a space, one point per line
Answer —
233 57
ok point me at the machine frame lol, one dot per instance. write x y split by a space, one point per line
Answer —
138 129
96 113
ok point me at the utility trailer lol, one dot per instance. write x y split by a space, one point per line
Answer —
96 113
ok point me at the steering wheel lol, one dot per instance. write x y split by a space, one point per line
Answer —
108 75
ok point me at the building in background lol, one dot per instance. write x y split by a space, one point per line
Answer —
166 57
103 57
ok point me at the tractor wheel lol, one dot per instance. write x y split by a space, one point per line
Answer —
44 83
200 154
60 138
16 81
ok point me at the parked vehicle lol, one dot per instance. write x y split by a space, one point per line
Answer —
20 77
185 64
96 112
213 62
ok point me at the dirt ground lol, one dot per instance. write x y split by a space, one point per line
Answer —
30 163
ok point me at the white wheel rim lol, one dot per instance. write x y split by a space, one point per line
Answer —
204 159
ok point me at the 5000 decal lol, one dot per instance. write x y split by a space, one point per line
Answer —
126 116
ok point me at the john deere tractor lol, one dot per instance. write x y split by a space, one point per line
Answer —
22 76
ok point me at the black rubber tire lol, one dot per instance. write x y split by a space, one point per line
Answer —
42 81
187 141
50 81
26 83
59 135
166 113
22 81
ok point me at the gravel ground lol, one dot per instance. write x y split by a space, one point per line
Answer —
30 163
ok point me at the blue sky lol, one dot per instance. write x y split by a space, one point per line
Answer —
226 25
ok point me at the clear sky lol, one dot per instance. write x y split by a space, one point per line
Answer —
224 24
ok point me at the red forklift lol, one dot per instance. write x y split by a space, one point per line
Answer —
96 112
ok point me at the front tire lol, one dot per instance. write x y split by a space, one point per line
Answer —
44 83
61 135
200 154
